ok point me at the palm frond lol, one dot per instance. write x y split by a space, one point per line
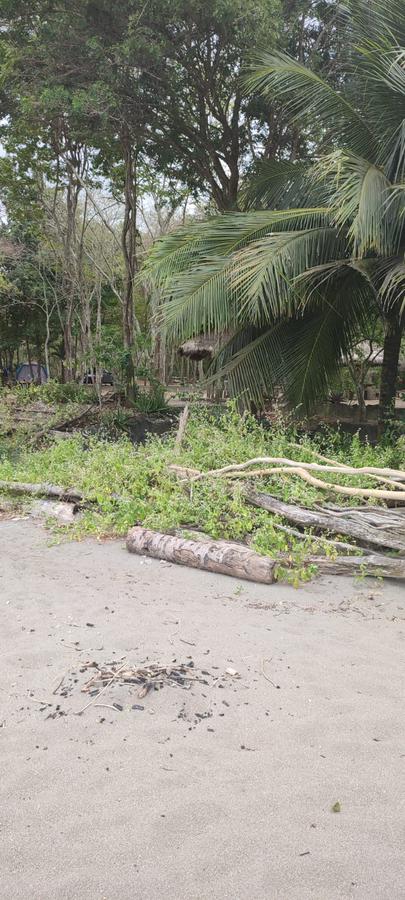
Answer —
382 81
316 346
201 296
201 300
309 98
277 184
264 275
250 362
393 288
360 194
301 354
375 20
220 236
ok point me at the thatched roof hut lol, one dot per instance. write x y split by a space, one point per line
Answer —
204 346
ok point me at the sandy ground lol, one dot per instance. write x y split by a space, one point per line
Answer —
235 802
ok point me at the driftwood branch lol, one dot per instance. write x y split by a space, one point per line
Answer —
382 474
215 556
281 465
396 495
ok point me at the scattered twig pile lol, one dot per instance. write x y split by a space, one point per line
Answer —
147 677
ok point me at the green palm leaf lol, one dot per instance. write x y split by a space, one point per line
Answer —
263 275
307 98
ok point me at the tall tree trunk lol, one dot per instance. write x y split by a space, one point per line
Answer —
39 358
68 347
86 335
128 240
99 371
46 344
29 357
69 275
389 371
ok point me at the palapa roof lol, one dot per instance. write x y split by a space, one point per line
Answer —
203 346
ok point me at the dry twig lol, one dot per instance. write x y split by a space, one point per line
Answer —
100 692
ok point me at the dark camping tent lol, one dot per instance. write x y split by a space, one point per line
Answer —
33 373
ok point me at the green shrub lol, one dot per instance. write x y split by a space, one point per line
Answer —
51 392
151 400
54 392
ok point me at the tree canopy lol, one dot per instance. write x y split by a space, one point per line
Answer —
121 122
296 280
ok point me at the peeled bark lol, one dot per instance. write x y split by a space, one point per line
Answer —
222 557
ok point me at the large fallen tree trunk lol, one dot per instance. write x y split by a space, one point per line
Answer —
361 532
53 491
379 516
227 558
214 556
376 564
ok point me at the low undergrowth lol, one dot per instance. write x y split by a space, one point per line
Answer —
28 412
133 485
23 420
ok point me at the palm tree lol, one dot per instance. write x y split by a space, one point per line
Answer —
300 276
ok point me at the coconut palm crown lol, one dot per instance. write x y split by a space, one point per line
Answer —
301 275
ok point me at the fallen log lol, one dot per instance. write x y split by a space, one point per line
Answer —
377 564
379 516
227 558
326 521
52 491
223 557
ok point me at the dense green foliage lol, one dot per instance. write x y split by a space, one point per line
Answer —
296 282
118 122
133 484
